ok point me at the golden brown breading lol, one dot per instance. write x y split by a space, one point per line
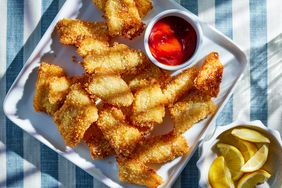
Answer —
148 118
119 59
161 149
123 18
148 98
76 115
122 136
98 145
143 6
51 88
148 106
112 89
73 31
150 75
100 4
90 45
195 107
180 84
133 171
210 75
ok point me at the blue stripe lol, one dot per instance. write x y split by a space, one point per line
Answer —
191 5
49 158
14 57
190 176
83 179
223 22
258 60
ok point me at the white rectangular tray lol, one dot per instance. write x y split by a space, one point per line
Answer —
19 109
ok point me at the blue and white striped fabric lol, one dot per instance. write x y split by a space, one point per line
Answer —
254 25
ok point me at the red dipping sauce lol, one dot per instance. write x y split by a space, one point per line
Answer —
172 40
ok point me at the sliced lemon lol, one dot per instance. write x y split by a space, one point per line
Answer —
250 180
248 149
219 174
257 161
250 135
233 158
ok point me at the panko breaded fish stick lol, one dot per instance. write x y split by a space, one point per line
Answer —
195 107
119 59
90 45
148 106
123 19
51 88
76 115
210 75
180 84
99 146
74 31
133 171
143 6
161 149
148 97
122 136
112 89
150 75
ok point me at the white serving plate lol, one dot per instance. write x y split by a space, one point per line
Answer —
273 164
18 102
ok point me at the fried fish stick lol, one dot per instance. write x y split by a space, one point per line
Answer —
180 84
123 18
143 6
150 75
51 88
119 59
98 145
148 98
90 45
195 107
148 118
73 31
122 136
210 75
100 4
76 115
112 89
133 171
161 149
148 106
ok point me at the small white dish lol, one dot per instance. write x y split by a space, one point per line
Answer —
273 164
191 19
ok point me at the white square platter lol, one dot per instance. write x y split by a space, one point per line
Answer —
18 102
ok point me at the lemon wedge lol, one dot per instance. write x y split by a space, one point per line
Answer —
248 149
250 180
233 158
250 135
219 174
257 161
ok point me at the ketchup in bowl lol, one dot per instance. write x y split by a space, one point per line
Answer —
172 40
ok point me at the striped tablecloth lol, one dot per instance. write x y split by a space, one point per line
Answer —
255 25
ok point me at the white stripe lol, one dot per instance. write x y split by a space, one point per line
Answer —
206 11
274 56
241 36
31 147
3 37
66 172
